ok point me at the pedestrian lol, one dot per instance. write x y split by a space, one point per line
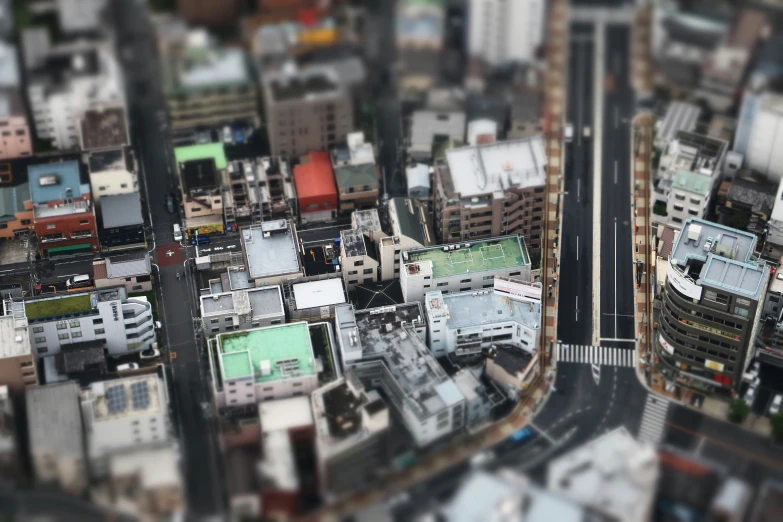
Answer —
554 279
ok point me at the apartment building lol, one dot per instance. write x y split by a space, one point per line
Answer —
113 171
65 80
409 231
356 173
122 414
680 116
104 128
383 347
308 109
463 266
17 362
202 172
501 32
465 323
351 434
315 188
712 304
358 258
271 252
419 35
132 270
272 362
241 309
429 127
15 140
277 193
54 424
760 132
315 300
123 222
689 196
491 190
63 211
208 86
107 314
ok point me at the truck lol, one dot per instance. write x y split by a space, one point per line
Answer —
568 134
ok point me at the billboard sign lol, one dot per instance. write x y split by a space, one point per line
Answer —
517 288
683 284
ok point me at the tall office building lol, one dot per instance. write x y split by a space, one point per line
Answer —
500 31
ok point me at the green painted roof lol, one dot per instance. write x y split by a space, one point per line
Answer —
409 222
58 306
12 200
241 353
482 255
356 175
203 151
692 182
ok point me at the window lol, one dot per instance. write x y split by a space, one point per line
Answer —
213 321
25 221
276 321
42 349
743 312
99 331
358 263
75 324
464 289
228 319
442 284
51 226
512 274
677 220
63 336
678 208
37 329
40 339
695 201
679 197
352 272
76 334
369 271
84 222
124 185
488 278
693 212
465 281
62 326
97 321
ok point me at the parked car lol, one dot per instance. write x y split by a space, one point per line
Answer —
149 353
177 232
568 135
169 201
750 393
127 366
776 403
199 240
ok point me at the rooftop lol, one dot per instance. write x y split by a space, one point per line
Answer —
406 221
121 210
304 84
55 420
511 358
264 301
427 124
214 151
679 116
285 414
482 255
692 182
314 178
354 243
58 306
366 221
55 181
267 354
694 152
131 396
14 339
12 200
77 357
483 307
758 195
418 175
719 256
356 175
128 265
271 249
154 466
382 293
104 129
315 294
110 159
493 168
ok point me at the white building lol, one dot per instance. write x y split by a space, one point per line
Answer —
316 300
124 413
241 309
107 314
464 323
426 125
271 252
501 32
65 80
760 130
688 197
409 231
679 116
112 172
614 475
460 267
358 258
418 181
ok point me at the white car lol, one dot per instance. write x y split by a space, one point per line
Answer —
149 353
177 232
776 403
127 366
750 393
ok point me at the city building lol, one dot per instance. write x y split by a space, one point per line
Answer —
465 323
277 194
680 116
272 362
131 270
383 347
84 362
79 17
463 266
16 207
773 246
9 449
63 210
208 86
351 434
512 369
202 170
124 413
15 141
612 475
478 404
308 109
123 222
747 203
145 482
408 220
65 80
315 300
356 173
106 314
245 194
501 32
491 190
696 153
430 127
273 44
759 135
54 424
241 309
417 177
271 252
711 306
689 196
104 128
419 36
316 190
208 13
113 172
17 362
358 258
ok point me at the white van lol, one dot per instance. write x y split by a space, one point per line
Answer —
78 281
177 232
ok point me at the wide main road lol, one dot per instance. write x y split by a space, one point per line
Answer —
575 303
616 267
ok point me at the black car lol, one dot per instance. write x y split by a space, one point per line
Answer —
170 203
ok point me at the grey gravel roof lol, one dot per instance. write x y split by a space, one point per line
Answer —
54 419
128 265
760 197
121 210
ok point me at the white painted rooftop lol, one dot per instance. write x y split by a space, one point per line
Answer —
313 294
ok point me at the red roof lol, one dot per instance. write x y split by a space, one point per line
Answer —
314 181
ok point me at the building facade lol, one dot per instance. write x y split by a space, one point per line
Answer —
501 32
242 309
712 304
112 172
17 362
131 270
356 173
315 188
202 171
358 258
409 231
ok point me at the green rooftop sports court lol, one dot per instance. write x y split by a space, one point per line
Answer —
481 255
286 347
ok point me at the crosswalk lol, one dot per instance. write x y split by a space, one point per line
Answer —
653 419
601 355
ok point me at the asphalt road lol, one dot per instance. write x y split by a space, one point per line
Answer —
575 299
190 387
617 279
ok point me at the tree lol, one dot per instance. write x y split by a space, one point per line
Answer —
739 410
776 421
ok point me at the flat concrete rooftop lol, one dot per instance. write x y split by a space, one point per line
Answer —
488 307
270 253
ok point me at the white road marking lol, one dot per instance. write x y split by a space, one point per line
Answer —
577 309
578 189
615 172
616 117
577 248
615 274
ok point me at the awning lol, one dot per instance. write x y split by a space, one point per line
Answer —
82 247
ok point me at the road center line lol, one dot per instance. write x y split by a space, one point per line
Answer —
615 172
616 117
578 189
615 272
577 248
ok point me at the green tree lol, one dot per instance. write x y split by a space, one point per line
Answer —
776 421
739 410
